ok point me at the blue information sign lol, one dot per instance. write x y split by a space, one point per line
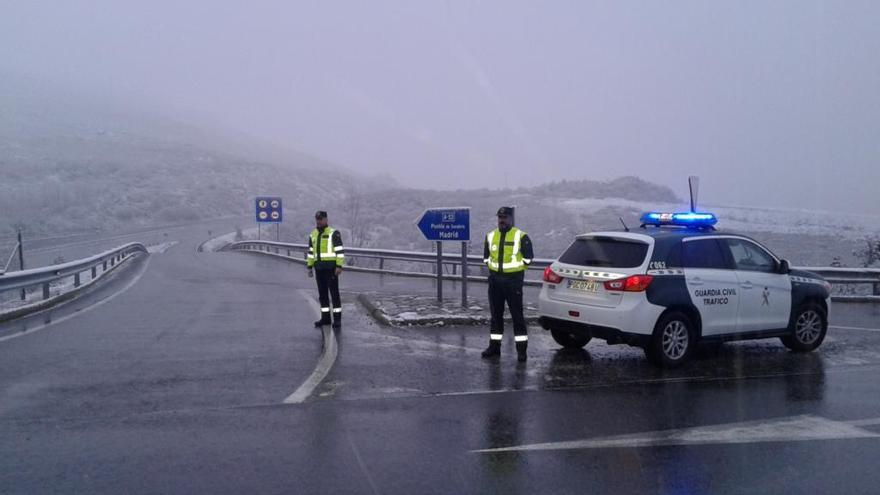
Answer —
268 209
446 224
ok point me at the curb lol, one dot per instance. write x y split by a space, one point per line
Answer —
384 320
375 312
380 316
201 248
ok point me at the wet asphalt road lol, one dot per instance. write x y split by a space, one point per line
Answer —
176 386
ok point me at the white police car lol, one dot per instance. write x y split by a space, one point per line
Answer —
674 282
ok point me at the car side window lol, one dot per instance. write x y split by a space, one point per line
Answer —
673 256
703 253
748 256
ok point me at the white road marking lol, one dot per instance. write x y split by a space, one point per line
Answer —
840 327
361 463
129 285
328 358
530 388
789 429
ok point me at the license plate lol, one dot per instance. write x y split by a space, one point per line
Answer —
584 285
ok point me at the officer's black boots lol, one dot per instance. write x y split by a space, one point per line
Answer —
521 351
493 350
337 320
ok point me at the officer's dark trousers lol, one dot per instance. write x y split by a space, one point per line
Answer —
328 282
507 289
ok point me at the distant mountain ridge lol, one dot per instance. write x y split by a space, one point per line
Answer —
385 218
75 165
628 187
71 165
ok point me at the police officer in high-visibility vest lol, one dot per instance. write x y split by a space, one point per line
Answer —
324 260
507 252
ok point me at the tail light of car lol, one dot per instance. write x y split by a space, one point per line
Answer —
551 277
634 283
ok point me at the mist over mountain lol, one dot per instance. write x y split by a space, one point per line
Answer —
74 163
70 163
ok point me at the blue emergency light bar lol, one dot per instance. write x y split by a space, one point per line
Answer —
686 219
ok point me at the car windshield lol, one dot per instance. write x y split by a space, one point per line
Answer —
605 252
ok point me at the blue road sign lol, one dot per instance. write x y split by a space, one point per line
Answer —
446 224
268 209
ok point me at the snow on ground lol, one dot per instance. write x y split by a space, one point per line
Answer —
422 310
34 295
160 248
750 219
217 243
11 300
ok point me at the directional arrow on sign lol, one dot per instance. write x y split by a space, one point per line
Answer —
446 224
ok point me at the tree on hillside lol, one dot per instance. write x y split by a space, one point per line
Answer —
353 216
869 253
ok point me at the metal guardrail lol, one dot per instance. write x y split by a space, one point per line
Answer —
389 254
834 275
48 274
451 261
838 276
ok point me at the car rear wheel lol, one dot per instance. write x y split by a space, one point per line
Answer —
808 328
673 340
569 340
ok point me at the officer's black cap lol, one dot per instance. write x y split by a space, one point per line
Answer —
320 214
504 211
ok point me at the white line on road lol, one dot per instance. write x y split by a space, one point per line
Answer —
328 358
360 460
840 327
788 429
129 285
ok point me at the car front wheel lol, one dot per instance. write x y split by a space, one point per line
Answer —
808 328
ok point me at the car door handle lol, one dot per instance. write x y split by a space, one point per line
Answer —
696 281
746 285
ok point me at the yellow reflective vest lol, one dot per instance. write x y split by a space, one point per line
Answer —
323 248
512 260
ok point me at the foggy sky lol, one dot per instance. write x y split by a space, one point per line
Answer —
771 103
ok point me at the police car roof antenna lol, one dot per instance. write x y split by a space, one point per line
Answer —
694 186
625 228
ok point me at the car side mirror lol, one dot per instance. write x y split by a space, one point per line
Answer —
784 267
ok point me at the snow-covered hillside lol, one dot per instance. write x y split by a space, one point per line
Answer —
743 218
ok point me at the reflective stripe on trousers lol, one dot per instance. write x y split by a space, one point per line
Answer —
516 338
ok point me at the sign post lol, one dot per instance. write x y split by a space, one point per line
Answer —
464 274
448 224
439 271
268 210
21 262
